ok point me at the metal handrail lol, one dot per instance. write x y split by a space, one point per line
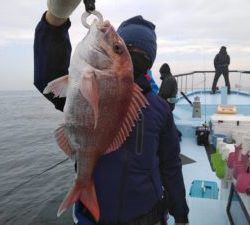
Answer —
185 84
209 71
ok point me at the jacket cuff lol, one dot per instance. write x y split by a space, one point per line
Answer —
57 29
183 219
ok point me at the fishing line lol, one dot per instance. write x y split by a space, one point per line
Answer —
18 215
35 176
205 84
205 98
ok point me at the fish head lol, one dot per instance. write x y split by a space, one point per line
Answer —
107 50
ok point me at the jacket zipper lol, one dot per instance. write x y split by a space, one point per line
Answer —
138 151
139 135
122 186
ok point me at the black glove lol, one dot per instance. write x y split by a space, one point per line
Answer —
89 5
164 219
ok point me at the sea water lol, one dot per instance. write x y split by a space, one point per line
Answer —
35 174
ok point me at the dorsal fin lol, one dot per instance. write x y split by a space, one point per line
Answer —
138 101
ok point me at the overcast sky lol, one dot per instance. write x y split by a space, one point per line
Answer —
189 33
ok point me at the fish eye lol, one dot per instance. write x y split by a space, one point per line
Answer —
118 48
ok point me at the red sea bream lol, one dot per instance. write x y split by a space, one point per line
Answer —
102 106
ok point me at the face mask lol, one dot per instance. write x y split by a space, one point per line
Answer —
140 63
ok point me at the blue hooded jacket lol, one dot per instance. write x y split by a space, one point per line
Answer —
128 181
151 80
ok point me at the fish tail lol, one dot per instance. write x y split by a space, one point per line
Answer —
89 200
86 194
72 196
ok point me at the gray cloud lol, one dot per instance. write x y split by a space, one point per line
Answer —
189 32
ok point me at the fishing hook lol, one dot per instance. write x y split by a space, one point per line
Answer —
86 14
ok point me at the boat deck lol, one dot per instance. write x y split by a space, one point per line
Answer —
201 170
204 211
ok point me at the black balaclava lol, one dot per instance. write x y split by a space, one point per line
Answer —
140 63
139 33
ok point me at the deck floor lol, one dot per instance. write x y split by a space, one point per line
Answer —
202 211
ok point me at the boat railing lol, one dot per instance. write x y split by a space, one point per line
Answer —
202 80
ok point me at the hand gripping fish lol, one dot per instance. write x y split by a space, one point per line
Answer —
102 105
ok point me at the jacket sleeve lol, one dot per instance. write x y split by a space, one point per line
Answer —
171 171
168 88
216 61
164 91
228 60
175 87
52 51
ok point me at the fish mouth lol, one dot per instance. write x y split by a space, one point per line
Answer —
104 27
108 30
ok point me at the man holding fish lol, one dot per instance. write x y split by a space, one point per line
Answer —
122 136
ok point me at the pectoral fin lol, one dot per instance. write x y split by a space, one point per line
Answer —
58 87
89 90
63 141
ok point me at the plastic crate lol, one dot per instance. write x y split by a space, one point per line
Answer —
204 189
226 124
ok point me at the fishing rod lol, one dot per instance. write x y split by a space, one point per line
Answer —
191 103
34 176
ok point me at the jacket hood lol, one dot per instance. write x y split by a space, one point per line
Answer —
140 33
223 50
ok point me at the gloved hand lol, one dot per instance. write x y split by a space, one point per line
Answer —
62 8
89 5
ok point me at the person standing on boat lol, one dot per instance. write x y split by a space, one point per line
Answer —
141 181
221 63
168 89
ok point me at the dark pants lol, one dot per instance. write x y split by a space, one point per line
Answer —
172 106
217 76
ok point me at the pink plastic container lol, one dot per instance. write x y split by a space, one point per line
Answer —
238 168
234 156
243 182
